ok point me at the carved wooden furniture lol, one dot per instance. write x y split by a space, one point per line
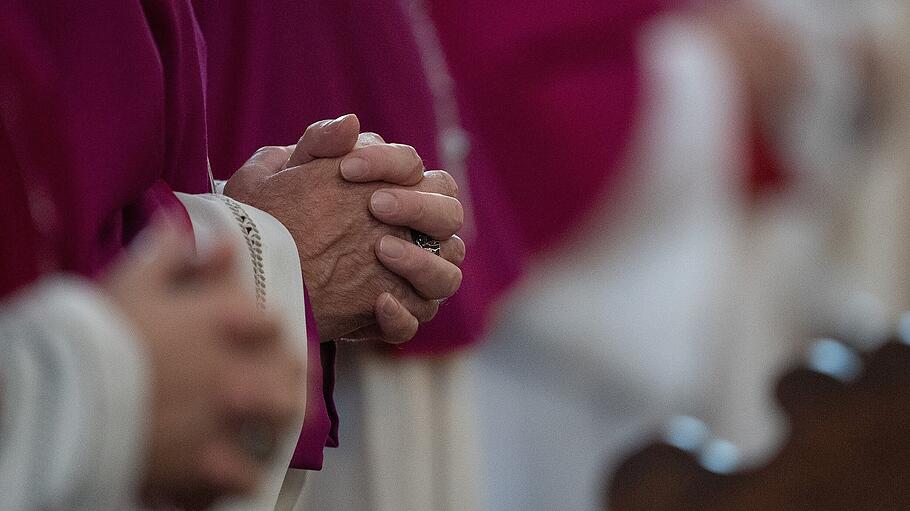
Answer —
848 449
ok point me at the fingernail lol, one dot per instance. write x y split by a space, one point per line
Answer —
353 168
384 202
337 121
391 247
389 306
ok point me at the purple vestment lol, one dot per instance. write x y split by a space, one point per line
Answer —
275 66
552 89
548 92
102 110
103 116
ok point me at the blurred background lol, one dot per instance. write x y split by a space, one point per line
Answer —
667 201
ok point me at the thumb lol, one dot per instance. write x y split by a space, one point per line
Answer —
264 163
326 139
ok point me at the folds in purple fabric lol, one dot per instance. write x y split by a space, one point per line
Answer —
103 115
275 66
551 90
320 423
103 118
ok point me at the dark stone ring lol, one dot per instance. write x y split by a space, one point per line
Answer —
425 242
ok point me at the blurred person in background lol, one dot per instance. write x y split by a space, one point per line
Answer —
716 248
102 135
631 116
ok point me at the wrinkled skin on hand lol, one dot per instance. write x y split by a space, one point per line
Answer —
356 285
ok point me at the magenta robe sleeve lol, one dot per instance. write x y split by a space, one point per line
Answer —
102 119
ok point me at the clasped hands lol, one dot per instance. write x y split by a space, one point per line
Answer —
349 200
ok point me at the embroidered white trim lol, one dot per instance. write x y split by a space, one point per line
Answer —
253 243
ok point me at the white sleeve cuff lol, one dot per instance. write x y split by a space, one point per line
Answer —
74 401
270 269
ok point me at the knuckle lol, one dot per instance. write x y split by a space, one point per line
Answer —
411 206
411 261
269 150
457 216
408 150
414 166
369 138
267 159
302 141
441 182
450 186
378 155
